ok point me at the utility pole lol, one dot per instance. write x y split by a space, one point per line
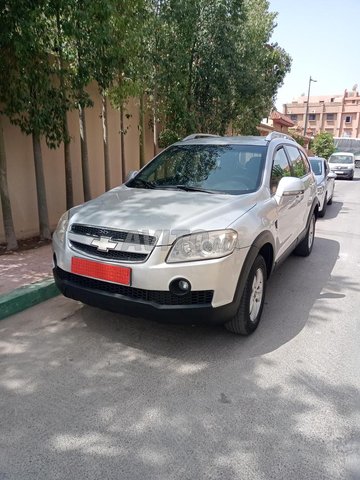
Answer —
307 105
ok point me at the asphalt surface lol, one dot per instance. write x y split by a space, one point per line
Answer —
87 394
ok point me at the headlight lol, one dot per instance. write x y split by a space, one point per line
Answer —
62 226
203 246
320 190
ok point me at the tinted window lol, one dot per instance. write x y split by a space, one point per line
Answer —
306 162
281 168
233 169
299 167
327 168
316 166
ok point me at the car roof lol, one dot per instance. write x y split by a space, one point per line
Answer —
226 140
343 153
209 139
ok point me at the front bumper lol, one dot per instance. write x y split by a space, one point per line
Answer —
142 303
219 275
343 173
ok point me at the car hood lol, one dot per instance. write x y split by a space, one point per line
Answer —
167 214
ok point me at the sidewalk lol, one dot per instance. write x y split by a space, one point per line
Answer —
25 279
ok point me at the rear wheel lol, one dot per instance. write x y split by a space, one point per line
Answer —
248 316
305 246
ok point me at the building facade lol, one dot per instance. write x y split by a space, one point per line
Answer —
335 114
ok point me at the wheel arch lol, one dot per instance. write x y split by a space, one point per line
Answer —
265 244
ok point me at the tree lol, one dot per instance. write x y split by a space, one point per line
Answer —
30 99
60 11
323 145
10 237
214 65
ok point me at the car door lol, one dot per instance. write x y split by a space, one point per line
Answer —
286 206
330 181
301 169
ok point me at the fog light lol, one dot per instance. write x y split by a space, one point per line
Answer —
180 286
184 285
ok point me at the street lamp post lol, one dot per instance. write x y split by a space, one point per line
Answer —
307 105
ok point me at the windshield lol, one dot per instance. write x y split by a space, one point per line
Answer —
341 159
228 169
316 166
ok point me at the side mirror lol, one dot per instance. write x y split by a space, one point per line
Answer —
331 175
130 175
289 186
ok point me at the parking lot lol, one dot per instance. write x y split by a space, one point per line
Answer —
91 394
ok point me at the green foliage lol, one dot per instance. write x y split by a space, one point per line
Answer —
214 64
323 145
167 137
202 65
298 138
28 93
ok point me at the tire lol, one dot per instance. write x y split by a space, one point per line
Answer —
322 212
248 316
330 201
306 245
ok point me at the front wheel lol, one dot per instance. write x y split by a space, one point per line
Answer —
305 246
248 316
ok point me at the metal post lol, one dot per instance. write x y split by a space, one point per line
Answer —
307 105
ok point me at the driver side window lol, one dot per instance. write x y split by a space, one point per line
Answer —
280 169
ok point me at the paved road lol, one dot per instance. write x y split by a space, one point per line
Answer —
87 394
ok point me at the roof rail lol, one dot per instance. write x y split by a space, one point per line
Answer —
193 136
273 135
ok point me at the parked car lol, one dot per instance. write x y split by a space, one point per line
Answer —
342 164
325 181
195 234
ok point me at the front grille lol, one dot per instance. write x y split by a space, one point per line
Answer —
115 235
111 254
202 297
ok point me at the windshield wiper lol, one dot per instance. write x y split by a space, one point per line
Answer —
189 188
139 182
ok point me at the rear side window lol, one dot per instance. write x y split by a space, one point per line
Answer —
280 169
299 164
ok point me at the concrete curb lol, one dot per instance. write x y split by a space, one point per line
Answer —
27 296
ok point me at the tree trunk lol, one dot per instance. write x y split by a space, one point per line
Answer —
10 238
68 167
142 132
41 190
65 127
122 144
105 142
155 141
84 154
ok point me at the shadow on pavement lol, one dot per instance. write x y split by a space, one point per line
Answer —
89 394
292 291
332 211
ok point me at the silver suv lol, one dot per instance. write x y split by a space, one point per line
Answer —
195 234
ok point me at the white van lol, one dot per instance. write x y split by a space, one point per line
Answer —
342 164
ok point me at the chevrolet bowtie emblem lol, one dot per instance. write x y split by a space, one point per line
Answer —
104 244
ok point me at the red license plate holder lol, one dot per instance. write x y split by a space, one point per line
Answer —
101 271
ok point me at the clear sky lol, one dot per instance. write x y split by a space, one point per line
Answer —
323 39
